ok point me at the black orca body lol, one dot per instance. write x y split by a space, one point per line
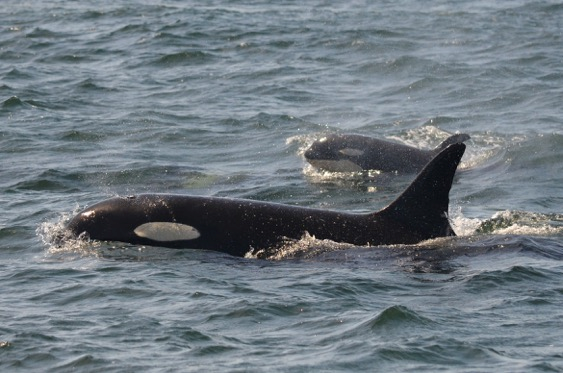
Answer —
351 153
235 226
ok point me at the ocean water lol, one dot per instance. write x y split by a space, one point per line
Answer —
221 98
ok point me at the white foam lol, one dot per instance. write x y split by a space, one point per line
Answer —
60 241
306 247
342 165
508 222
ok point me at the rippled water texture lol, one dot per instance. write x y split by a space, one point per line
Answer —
222 98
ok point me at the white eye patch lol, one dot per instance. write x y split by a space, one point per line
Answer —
351 152
165 231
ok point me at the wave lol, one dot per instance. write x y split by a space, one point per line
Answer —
522 223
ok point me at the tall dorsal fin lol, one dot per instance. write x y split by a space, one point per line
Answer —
423 206
454 139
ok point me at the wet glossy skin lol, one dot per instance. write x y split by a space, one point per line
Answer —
235 226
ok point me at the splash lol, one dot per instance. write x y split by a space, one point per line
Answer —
425 137
303 141
486 148
463 226
366 180
305 248
522 223
59 240
508 223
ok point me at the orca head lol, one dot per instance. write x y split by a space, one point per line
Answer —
131 219
335 153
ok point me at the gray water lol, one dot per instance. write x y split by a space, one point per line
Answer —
218 98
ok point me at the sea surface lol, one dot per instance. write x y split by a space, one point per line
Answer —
221 98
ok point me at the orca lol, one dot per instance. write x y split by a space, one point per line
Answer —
237 226
353 153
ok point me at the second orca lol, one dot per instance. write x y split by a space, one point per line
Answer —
352 153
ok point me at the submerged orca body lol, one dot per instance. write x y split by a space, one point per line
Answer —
351 153
235 226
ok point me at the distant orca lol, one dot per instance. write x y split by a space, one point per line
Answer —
235 226
350 153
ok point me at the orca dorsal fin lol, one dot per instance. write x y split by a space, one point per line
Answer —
422 208
453 139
